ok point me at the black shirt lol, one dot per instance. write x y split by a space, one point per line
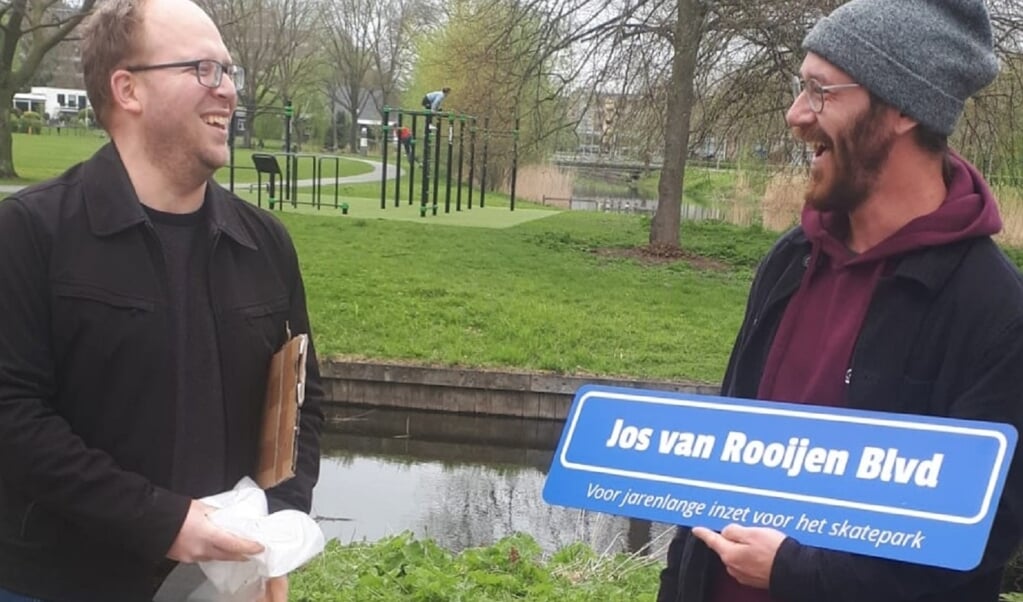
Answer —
199 450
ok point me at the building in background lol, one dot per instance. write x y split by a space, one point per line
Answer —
55 104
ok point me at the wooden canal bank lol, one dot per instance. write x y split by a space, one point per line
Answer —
468 391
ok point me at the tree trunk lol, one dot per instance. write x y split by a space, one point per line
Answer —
664 228
333 128
355 131
6 143
250 121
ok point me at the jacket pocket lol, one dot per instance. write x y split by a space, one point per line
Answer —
25 523
95 329
86 292
266 322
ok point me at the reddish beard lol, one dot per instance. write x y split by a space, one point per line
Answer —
857 156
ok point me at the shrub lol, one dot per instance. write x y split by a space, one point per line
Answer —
31 122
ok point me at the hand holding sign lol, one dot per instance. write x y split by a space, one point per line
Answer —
747 552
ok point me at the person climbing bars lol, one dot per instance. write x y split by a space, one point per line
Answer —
432 100
405 139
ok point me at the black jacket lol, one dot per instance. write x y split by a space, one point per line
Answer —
87 383
943 336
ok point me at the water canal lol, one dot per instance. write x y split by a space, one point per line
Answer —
463 481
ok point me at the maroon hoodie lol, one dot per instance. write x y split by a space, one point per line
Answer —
812 349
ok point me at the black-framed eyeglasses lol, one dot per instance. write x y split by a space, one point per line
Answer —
210 73
815 91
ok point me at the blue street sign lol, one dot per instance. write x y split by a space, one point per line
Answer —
914 488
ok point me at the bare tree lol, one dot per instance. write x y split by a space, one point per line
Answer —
28 30
680 27
517 62
750 53
370 52
690 26
727 64
394 31
991 131
352 28
296 70
277 43
759 47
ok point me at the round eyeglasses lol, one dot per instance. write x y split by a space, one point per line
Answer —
815 91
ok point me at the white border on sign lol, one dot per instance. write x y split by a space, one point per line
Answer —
919 426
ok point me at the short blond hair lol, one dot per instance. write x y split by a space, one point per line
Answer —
110 36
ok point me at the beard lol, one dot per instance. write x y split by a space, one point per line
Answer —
857 157
180 151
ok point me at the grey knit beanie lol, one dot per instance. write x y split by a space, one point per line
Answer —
924 57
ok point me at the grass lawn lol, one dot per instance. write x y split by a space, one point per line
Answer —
494 215
547 294
245 172
46 156
372 190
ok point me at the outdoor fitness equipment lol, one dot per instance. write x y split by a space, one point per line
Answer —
434 129
288 177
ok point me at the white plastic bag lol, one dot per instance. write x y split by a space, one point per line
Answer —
290 539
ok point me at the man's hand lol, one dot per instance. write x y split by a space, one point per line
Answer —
276 590
200 540
747 552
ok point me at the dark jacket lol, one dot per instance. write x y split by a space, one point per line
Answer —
87 381
943 336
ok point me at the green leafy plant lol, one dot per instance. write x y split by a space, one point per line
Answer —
515 568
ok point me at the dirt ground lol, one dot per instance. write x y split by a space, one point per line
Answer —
656 255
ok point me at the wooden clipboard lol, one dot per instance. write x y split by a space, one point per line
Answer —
285 392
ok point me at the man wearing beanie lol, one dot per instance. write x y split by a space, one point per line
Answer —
890 295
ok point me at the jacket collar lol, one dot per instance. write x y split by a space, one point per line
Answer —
933 266
113 206
930 267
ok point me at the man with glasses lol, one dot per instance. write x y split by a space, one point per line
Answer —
890 296
140 306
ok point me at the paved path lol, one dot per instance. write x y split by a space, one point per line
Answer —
373 176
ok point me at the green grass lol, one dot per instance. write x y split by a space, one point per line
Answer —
402 568
41 157
533 296
495 215
47 156
245 172
372 190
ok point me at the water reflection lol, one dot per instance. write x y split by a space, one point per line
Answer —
462 481
622 189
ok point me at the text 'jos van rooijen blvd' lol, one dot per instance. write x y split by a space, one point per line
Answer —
792 457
